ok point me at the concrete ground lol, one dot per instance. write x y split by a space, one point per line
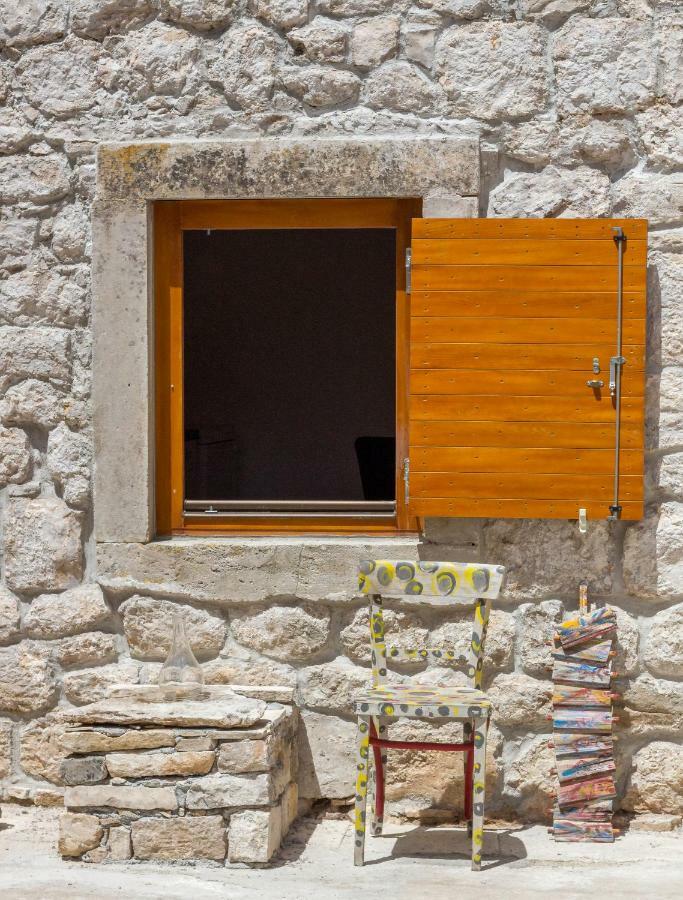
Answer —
316 862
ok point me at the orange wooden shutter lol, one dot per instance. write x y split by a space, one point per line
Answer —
507 316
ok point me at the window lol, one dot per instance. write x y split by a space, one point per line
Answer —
300 387
281 327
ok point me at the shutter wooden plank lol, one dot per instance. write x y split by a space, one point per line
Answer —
529 278
541 460
570 435
446 407
548 229
507 317
519 509
481 485
534 383
524 252
519 304
576 357
447 329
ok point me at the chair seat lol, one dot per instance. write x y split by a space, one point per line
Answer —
423 702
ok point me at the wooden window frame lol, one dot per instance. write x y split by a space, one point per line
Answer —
170 219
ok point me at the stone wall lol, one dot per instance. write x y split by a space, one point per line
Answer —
577 104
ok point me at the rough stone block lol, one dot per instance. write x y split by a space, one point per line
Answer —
529 790
663 651
91 649
203 742
15 456
152 765
537 625
92 685
327 756
10 616
579 192
402 87
656 782
87 741
27 679
653 554
5 747
146 626
40 751
254 835
120 847
244 756
121 797
60 615
283 632
322 40
520 702
373 41
42 540
192 837
41 353
83 770
494 70
220 791
78 833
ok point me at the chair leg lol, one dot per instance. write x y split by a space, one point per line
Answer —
478 791
468 766
362 762
377 729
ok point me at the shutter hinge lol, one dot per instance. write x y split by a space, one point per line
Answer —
406 478
409 255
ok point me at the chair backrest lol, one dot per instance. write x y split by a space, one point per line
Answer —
436 583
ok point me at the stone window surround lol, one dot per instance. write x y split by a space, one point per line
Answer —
444 171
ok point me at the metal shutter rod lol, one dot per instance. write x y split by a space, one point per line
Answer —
615 366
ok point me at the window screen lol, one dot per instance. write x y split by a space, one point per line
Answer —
289 365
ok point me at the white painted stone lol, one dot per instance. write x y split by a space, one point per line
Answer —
27 679
97 18
653 554
554 192
663 651
321 40
493 70
327 756
402 87
204 15
35 353
373 41
15 456
61 615
319 86
656 782
254 835
283 632
32 22
78 832
147 624
191 837
222 790
10 616
135 797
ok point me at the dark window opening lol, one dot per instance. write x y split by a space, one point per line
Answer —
289 368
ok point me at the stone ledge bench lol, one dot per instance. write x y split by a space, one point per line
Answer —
211 780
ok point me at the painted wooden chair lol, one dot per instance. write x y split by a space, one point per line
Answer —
437 583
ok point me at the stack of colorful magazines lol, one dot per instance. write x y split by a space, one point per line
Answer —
582 725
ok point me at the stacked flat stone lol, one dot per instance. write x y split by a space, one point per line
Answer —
210 779
582 724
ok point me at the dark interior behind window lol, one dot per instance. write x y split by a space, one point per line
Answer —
289 364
